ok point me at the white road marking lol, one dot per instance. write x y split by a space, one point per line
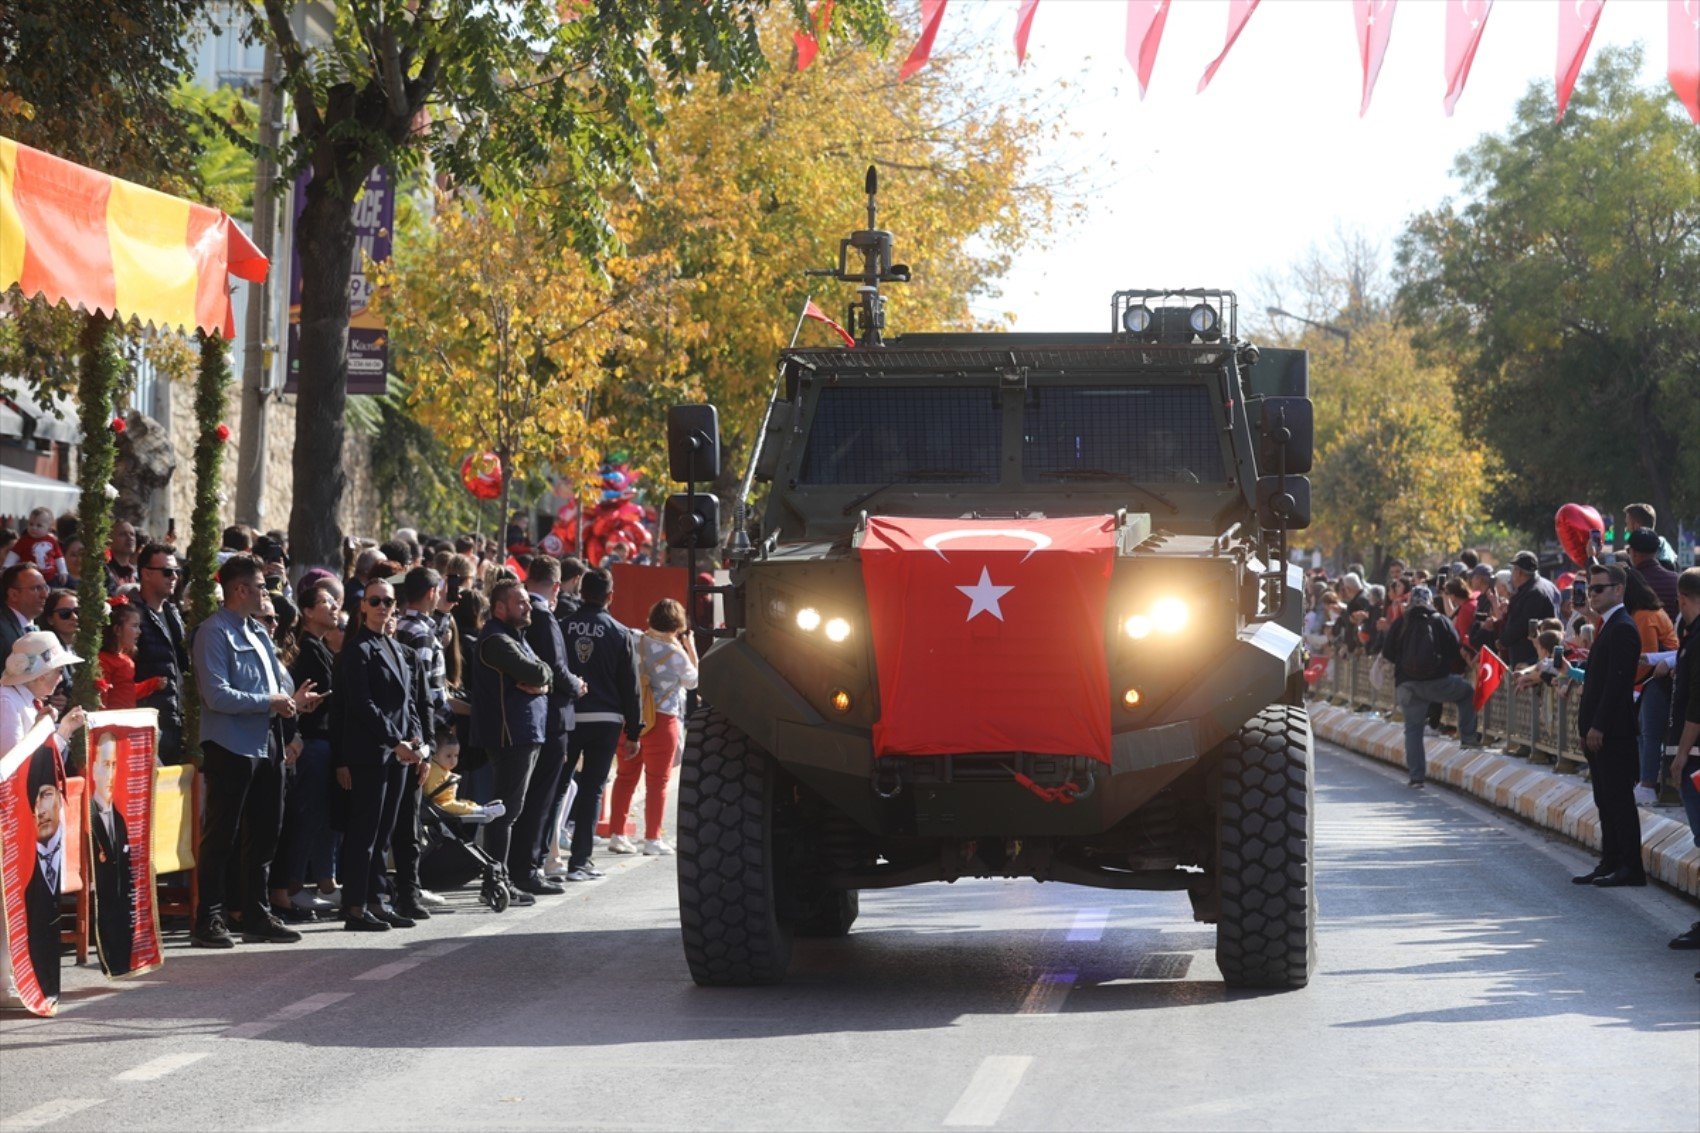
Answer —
160 1067
47 1112
1089 924
410 962
993 1084
1046 995
287 1014
496 928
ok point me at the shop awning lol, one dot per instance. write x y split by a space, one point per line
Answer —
20 491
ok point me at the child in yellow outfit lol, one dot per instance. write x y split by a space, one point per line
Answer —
442 786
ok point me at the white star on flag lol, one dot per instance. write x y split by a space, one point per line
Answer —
983 596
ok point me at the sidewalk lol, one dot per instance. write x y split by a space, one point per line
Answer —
1552 800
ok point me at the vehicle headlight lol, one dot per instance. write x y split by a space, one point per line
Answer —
837 630
1137 627
1204 321
1136 319
1169 615
808 619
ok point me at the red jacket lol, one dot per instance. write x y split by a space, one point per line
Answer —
119 688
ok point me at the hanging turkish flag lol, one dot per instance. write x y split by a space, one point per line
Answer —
1465 22
1375 28
1024 28
932 14
810 311
989 634
1685 54
1239 11
808 42
1145 20
1576 22
1490 670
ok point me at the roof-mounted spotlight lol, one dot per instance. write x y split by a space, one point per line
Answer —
1136 319
1205 322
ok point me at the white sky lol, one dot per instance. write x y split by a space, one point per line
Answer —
1220 188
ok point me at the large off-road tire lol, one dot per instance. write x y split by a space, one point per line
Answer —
1266 928
835 911
727 866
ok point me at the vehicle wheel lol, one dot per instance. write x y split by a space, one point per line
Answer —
1266 928
835 911
727 865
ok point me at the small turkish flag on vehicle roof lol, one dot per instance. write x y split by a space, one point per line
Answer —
1490 670
989 634
810 311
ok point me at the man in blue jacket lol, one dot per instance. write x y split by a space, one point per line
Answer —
600 652
246 695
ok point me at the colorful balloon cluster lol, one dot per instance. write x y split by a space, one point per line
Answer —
617 517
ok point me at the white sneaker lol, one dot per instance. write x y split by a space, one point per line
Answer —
309 901
656 848
432 900
620 844
1645 795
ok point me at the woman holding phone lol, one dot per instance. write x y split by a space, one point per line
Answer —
667 667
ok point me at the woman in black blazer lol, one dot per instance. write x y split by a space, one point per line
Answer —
380 691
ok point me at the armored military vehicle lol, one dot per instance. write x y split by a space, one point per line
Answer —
1018 605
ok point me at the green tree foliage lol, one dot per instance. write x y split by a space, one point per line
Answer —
1565 287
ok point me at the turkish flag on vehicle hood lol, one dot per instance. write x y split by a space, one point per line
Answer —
989 634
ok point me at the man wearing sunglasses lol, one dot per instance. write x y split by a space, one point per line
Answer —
1609 725
161 650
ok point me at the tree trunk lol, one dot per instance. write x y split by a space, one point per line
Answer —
325 238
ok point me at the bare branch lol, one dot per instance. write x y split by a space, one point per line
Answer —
295 64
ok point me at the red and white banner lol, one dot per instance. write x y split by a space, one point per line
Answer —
1239 11
932 14
1024 28
1466 20
989 634
1145 20
1577 20
1685 54
1375 28
120 839
33 860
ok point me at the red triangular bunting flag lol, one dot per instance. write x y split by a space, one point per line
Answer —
1239 11
1577 20
1145 20
932 14
808 45
1024 28
1465 22
810 311
1375 28
1685 54
1490 670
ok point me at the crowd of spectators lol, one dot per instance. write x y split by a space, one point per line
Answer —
341 712
1639 693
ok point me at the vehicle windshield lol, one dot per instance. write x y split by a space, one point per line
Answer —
1157 434
867 435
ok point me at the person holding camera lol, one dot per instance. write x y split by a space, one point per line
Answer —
667 659
1533 599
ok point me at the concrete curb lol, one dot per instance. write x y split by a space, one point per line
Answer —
1563 804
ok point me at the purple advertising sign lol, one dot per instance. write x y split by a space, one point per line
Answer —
368 343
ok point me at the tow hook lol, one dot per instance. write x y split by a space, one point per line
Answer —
1068 792
888 784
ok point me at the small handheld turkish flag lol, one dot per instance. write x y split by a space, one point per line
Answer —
1316 669
1490 670
810 311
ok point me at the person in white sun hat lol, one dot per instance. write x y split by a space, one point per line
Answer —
29 678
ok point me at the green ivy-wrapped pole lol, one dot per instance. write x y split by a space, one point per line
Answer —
212 384
99 369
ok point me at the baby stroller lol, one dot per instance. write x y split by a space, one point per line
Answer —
450 858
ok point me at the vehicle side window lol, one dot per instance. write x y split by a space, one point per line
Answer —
880 436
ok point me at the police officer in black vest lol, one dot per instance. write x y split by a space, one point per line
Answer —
600 652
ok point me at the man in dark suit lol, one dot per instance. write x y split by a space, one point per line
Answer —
114 888
41 895
1609 726
23 595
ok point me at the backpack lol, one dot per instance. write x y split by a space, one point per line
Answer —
1420 657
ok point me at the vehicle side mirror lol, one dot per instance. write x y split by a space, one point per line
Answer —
1283 503
1289 423
693 443
685 528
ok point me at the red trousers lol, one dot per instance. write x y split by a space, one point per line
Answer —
654 760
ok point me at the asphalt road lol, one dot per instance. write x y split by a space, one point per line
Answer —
1463 984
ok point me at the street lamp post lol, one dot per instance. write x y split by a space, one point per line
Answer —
1341 332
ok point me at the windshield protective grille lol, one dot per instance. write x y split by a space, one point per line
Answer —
884 436
1150 434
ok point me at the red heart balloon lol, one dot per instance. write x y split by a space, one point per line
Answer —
481 473
1576 525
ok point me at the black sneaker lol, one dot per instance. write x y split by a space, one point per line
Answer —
520 897
267 930
212 934
1688 940
410 908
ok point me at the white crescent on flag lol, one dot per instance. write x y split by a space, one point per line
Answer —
1039 540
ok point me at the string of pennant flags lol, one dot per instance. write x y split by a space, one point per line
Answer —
1466 23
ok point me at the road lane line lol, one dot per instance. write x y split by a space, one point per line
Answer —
287 1014
47 1113
408 963
993 1084
1046 995
1089 924
160 1067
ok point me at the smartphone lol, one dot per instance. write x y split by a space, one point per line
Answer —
1534 628
1579 593
171 528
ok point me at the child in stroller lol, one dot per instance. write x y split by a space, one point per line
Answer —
451 857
